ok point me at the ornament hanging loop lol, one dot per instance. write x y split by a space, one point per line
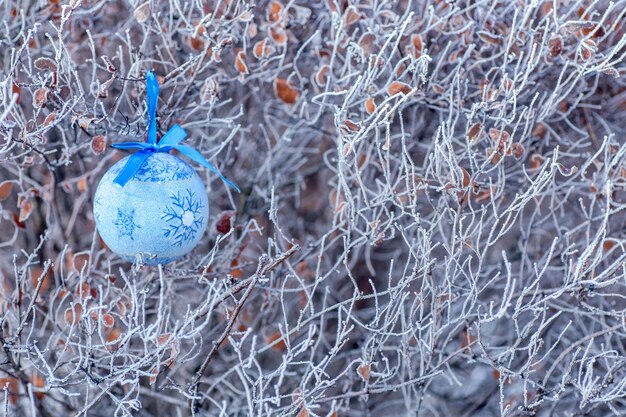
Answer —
171 140
152 98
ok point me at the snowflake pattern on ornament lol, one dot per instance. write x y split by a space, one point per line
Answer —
183 217
125 223
158 168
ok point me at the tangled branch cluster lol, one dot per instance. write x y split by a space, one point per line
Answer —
432 219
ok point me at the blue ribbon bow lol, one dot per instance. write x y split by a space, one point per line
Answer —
171 140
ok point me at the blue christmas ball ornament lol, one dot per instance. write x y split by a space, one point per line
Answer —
152 204
160 214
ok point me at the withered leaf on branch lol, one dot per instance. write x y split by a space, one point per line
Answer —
398 87
45 64
285 91
5 189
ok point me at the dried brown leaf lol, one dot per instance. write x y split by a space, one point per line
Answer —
367 42
274 11
73 314
285 91
351 15
465 181
262 49
45 64
26 208
418 45
98 144
489 37
5 189
225 222
40 97
370 105
474 132
275 339
555 45
240 63
398 87
518 150
353 127
13 387
278 36
107 320
49 119
346 149
364 371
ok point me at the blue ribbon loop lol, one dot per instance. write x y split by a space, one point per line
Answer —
171 140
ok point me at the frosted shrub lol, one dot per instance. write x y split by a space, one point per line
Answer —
432 218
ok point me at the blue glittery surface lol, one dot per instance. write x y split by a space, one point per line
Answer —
159 170
160 214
